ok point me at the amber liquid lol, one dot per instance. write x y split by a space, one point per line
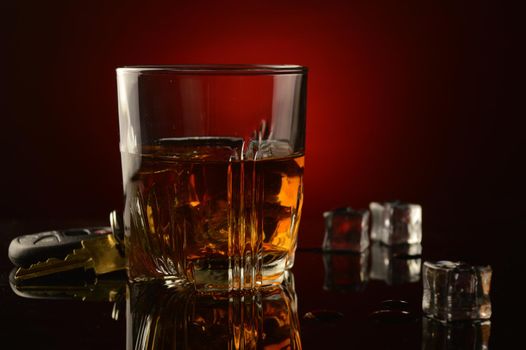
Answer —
199 213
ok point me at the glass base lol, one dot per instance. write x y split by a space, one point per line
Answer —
224 280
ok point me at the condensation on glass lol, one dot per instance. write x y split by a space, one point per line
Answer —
212 159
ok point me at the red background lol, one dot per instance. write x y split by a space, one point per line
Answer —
406 100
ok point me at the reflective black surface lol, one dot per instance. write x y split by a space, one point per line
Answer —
368 301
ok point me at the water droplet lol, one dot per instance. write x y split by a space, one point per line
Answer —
391 316
323 315
393 304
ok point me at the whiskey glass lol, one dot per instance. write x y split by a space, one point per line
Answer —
212 163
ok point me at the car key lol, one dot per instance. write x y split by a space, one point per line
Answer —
30 249
100 253
51 252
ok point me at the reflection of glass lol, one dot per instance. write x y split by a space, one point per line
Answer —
168 318
345 272
396 264
472 335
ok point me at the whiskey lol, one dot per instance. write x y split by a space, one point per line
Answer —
198 210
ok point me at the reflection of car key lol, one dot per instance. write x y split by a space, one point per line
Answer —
56 251
107 288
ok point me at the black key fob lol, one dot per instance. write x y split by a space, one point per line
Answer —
29 249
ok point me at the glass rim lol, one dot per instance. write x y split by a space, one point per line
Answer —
216 69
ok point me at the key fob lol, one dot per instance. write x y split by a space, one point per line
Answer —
29 249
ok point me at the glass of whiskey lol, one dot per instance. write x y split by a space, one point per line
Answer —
212 163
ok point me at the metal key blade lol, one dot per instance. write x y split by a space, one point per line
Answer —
105 255
100 254
79 258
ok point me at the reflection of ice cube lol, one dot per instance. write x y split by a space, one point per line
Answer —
473 335
396 264
456 291
346 230
268 149
396 223
346 271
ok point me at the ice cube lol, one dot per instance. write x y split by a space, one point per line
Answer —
396 223
346 230
396 264
456 291
473 335
264 149
345 272
197 148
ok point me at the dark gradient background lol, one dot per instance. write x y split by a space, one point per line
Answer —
413 100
